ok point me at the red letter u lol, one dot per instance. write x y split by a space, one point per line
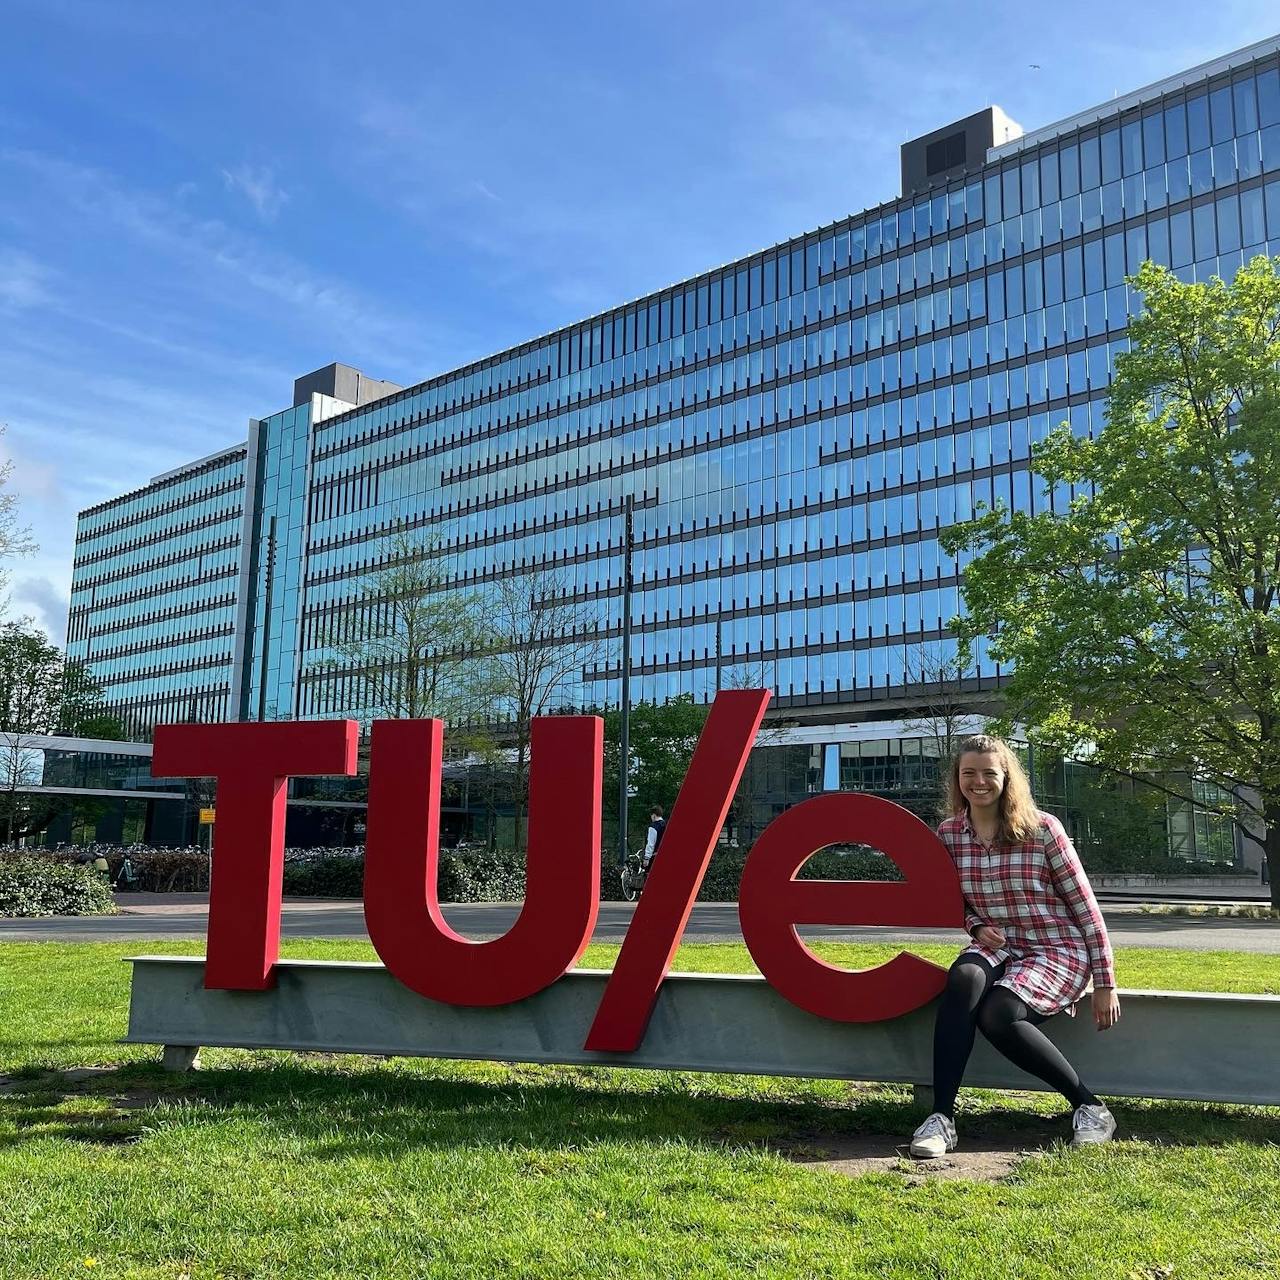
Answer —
402 854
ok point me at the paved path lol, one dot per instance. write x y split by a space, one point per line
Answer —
185 916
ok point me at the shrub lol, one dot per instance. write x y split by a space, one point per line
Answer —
162 870
1119 862
466 875
478 875
43 886
839 862
338 876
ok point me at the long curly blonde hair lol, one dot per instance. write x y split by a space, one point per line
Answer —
1019 817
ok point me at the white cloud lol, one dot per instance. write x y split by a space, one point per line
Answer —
259 187
221 263
50 604
23 280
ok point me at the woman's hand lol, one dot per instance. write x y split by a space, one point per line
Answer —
988 935
1106 1007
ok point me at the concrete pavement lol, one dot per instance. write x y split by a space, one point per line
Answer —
185 916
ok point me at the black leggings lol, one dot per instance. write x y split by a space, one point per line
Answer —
972 1002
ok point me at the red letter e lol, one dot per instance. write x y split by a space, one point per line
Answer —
771 902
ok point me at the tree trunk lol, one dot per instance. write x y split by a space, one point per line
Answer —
522 783
1271 843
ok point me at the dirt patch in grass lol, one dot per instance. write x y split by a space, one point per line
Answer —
45 1102
979 1158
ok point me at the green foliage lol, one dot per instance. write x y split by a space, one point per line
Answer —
481 875
839 862
154 870
662 739
1143 622
165 870
466 875
1119 859
41 692
1121 825
43 886
405 636
336 877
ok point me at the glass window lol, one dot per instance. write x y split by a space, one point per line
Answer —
1220 114
1224 164
1246 104
1201 171
1270 139
1070 170
1049 177
1052 279
1113 250
1269 97
991 198
1011 199
1205 236
1175 130
1112 204
1153 138
1135 247
1178 179
1030 185
1090 164
1110 142
1273 210
888 233
1253 232
1197 124
1228 224
1093 267
1131 146
1248 157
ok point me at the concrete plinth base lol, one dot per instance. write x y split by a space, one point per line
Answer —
181 1057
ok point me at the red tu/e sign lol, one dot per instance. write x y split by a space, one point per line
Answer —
252 763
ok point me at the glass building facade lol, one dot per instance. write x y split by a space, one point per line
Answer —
794 428
154 593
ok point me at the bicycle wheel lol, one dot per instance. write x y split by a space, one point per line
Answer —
630 889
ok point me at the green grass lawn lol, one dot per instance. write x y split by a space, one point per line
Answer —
275 1164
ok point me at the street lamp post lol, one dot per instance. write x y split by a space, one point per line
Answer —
624 744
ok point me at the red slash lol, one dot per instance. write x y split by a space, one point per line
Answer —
663 911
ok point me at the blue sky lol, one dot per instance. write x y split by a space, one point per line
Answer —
199 202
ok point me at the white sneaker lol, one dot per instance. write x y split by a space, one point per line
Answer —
934 1138
1091 1123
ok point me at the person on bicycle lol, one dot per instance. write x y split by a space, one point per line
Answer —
657 825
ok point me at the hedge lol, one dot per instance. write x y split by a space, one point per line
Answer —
42 886
477 875
466 875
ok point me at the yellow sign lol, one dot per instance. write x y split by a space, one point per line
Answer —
206 816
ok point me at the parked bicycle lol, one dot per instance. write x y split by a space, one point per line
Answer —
634 874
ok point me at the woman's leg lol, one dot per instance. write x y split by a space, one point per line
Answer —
970 979
1014 1029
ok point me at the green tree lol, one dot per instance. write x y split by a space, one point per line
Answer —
945 705
661 739
1143 620
485 776
41 694
15 540
406 636
540 636
1121 825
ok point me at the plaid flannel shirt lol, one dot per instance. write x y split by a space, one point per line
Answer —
1038 895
